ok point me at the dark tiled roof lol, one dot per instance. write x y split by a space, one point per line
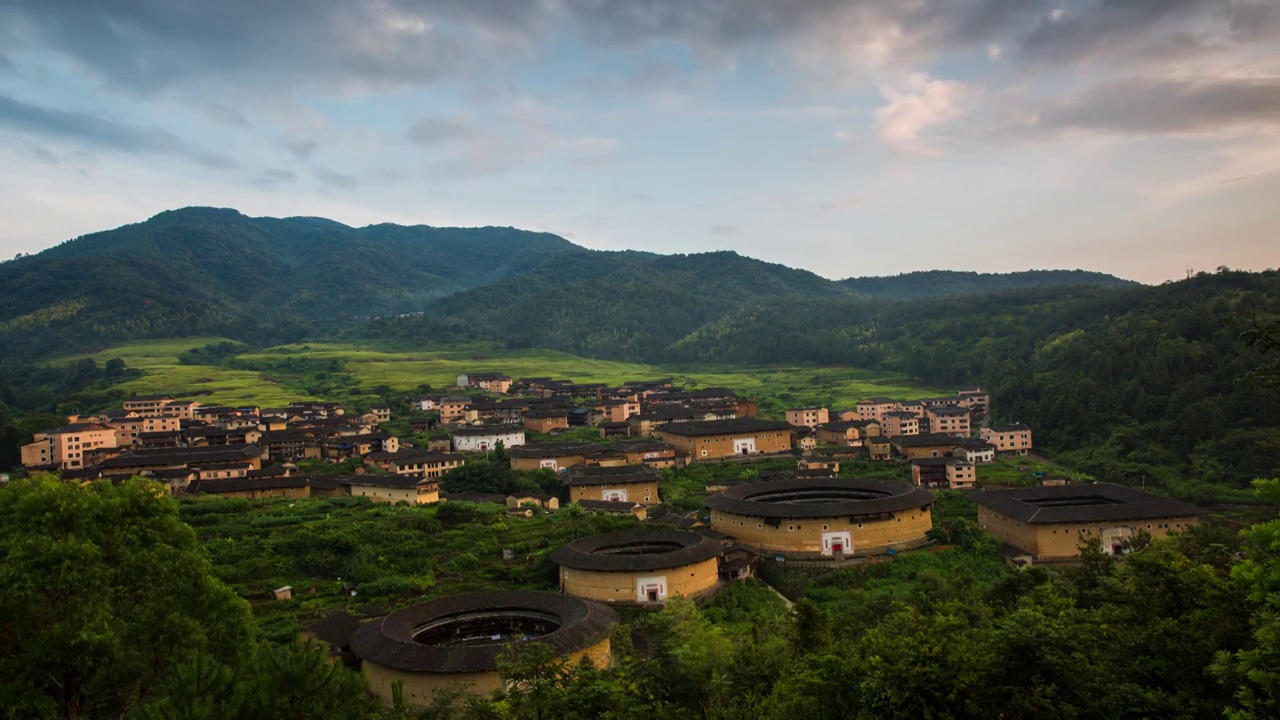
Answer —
843 425
545 414
724 427
1013 427
641 445
816 498
328 482
615 475
924 440
616 506
80 427
840 450
212 487
497 498
553 449
180 456
619 552
1082 503
399 482
335 629
949 410
389 642
489 430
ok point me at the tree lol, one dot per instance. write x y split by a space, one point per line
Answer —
101 589
1254 672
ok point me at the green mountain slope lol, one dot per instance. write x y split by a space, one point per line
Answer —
950 283
200 270
216 271
1134 384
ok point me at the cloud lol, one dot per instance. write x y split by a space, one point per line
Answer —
104 133
516 135
847 203
223 115
334 179
335 48
590 150
914 107
1169 106
147 45
430 130
724 230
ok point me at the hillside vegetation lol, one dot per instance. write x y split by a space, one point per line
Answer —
209 271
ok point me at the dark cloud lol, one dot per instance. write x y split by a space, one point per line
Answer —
103 133
302 148
279 175
38 152
224 115
336 180
283 44
1110 27
442 130
1144 106
149 44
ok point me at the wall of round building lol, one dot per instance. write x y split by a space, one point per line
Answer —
827 536
643 586
421 687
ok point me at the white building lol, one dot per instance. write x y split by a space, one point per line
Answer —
484 438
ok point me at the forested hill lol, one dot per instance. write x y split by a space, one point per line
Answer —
208 270
1132 383
198 270
949 283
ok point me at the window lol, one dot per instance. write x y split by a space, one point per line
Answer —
790 528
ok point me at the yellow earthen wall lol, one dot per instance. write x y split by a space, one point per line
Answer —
621 586
419 688
636 492
1061 540
805 535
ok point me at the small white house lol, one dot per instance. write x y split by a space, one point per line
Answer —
485 438
424 404
976 452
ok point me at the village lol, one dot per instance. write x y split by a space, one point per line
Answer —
607 447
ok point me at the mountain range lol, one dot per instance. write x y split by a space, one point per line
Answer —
197 270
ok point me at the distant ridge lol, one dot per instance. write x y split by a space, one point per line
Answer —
203 270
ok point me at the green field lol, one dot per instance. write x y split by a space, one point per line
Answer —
159 359
774 387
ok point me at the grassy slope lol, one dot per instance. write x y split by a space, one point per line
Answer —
159 359
400 369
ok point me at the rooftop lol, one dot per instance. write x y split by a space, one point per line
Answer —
467 633
636 551
817 497
615 475
724 427
552 449
1082 503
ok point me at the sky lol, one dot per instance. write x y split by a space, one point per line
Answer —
1137 137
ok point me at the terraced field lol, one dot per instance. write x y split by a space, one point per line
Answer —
159 359
774 387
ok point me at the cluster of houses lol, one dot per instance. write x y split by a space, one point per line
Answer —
944 438
643 426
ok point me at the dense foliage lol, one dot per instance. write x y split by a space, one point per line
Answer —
39 397
200 271
208 271
1130 385
109 607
